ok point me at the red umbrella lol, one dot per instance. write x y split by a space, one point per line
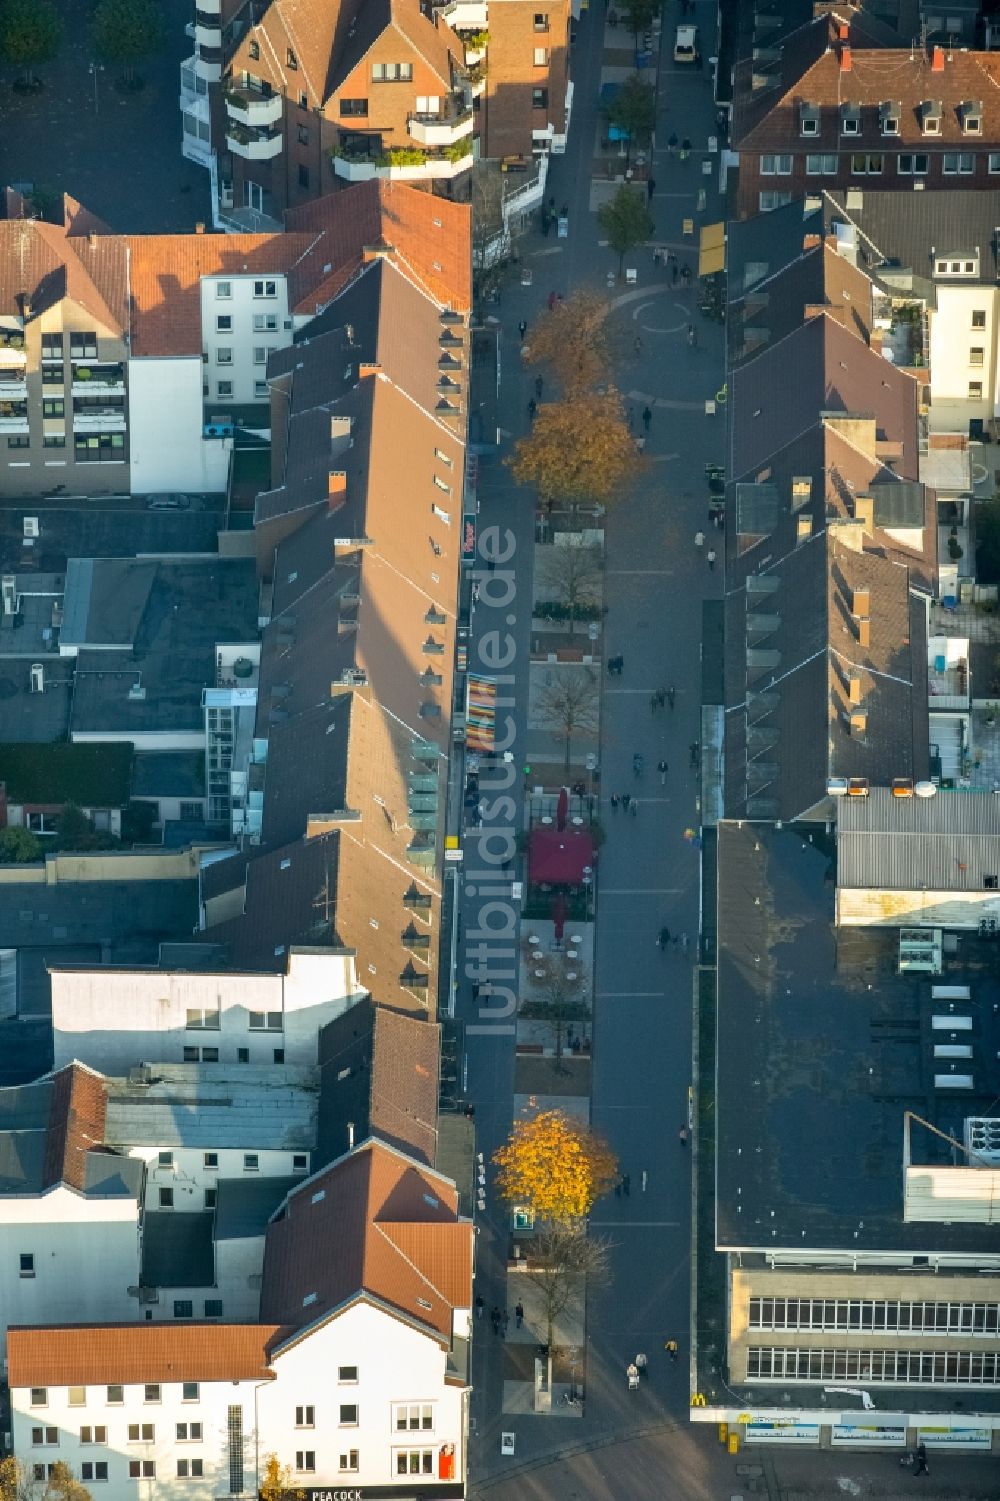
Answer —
558 911
562 808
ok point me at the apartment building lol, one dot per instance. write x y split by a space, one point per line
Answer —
832 106
70 1211
310 99
116 1019
357 1373
938 253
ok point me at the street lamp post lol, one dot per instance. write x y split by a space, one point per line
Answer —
96 68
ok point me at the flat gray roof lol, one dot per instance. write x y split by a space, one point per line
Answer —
243 1206
950 842
189 1105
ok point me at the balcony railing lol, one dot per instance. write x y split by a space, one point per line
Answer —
12 387
99 422
402 166
253 107
92 380
253 145
13 422
437 130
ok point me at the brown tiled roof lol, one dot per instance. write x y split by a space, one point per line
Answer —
820 278
166 281
879 76
375 1224
38 261
429 235
290 898
80 220
76 1124
129 1354
379 1070
435 43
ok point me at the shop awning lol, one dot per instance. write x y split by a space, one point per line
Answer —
712 249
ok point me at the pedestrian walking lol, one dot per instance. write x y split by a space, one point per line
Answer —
495 1319
671 1347
630 414
633 1377
641 1364
682 1136
637 346
671 695
664 938
684 943
626 1185
551 300
504 1321
647 418
685 152
692 336
694 753
633 807
519 1315
654 702
644 1180
711 558
614 802
674 271
672 148
920 1468
650 188
479 1306
657 255
699 539
522 329
539 386
662 768
626 800
532 409
686 275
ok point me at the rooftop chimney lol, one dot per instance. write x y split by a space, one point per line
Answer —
937 59
336 483
92 240
199 228
859 723
864 631
846 65
854 688
864 511
843 31
861 602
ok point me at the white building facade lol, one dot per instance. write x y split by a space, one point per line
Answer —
115 1019
365 1400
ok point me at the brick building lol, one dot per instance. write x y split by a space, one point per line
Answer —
833 107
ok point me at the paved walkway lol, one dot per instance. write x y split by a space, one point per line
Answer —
649 876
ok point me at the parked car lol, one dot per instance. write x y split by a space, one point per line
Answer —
168 501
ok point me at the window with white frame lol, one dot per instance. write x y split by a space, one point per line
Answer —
202 1018
39 1396
95 1435
867 163
994 161
348 1417
348 1462
26 1264
265 289
265 323
224 356
875 1315
413 1417
151 1391
223 290
773 200
821 163
44 1436
975 390
223 323
266 1021
912 163
978 317
413 1461
347 1375
305 1460
142 1469
115 1395
775 165
223 388
189 1433
305 1417
141 1433
77 1396
190 1469
961 162
260 390
92 1470
977 355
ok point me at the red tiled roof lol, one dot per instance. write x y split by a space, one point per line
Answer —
76 1124
375 1224
39 262
126 1354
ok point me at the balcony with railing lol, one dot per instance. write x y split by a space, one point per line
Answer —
251 106
445 128
105 418
403 164
13 416
95 380
253 145
12 355
13 385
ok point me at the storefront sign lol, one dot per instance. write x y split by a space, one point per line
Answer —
869 1433
948 1437
778 1431
435 1491
468 537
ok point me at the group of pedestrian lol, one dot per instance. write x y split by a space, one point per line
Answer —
710 556
500 1319
661 697
626 802
615 666
667 939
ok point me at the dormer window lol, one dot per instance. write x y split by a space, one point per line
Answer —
972 117
254 52
809 120
291 60
850 119
930 118
889 117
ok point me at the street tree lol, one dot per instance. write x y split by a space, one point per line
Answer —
578 450
633 110
568 702
560 1262
491 246
30 34
640 14
571 339
62 1485
127 31
16 1482
570 574
277 1482
626 221
556 1166
559 999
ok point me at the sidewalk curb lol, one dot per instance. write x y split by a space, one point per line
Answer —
570 1451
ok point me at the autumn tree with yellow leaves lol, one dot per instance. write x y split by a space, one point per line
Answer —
555 1166
578 450
571 339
